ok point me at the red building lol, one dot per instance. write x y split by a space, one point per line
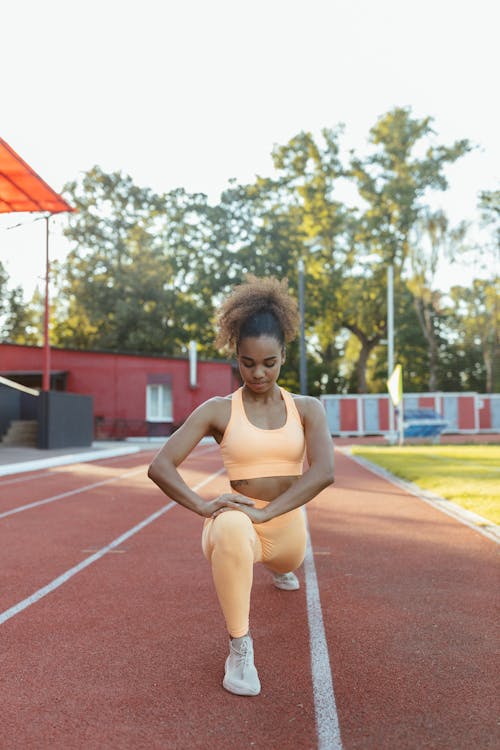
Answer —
133 395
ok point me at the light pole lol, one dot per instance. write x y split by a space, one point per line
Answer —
390 338
303 360
46 330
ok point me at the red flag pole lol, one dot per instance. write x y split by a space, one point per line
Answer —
46 342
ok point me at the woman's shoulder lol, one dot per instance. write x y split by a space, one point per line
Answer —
307 406
214 404
214 409
214 414
299 398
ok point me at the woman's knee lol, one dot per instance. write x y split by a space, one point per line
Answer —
232 531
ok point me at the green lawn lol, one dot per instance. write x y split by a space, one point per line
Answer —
469 475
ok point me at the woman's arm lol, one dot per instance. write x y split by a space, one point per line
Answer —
319 451
163 469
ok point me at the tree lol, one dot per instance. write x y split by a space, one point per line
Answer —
433 240
274 222
146 272
136 276
367 323
19 322
477 329
410 344
392 181
489 205
4 281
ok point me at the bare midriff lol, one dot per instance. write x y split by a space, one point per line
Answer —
263 488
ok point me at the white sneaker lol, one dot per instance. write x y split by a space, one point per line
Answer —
241 676
286 581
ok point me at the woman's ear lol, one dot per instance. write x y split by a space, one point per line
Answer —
283 355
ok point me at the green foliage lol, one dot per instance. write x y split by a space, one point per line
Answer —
489 205
410 347
392 181
140 274
19 323
146 272
474 321
433 240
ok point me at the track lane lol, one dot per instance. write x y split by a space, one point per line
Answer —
408 597
20 489
130 654
40 543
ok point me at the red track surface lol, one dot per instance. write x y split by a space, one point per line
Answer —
129 652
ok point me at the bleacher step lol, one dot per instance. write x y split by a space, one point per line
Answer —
21 432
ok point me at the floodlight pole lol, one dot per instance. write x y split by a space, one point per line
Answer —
46 342
390 338
303 362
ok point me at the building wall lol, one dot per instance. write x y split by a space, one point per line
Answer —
117 382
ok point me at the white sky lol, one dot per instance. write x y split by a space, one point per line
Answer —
193 92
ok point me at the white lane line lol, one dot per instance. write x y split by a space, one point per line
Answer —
327 720
86 487
20 606
62 495
25 479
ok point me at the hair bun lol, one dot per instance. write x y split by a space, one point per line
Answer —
258 296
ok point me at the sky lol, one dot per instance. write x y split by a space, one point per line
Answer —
192 93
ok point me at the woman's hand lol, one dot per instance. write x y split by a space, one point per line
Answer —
229 501
225 502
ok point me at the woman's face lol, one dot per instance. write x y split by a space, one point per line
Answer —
260 359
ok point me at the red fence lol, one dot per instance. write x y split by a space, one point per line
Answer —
369 414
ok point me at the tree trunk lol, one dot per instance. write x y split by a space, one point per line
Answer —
488 366
367 344
491 359
425 318
361 366
433 352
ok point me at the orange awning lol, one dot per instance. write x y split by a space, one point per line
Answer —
21 189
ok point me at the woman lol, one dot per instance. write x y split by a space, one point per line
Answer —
264 433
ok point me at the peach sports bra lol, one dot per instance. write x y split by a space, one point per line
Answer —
250 452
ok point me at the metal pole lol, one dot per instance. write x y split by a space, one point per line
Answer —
193 365
401 416
303 361
46 342
390 337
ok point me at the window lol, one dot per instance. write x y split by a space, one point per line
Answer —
159 402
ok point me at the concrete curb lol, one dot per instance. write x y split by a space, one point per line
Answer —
68 458
134 445
472 520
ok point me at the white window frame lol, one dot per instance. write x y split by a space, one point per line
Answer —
164 395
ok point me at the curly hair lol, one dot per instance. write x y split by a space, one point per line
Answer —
258 307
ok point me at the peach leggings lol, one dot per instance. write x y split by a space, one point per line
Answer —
232 544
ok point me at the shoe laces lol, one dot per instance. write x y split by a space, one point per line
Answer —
284 577
242 654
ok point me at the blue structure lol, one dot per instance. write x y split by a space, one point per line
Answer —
419 423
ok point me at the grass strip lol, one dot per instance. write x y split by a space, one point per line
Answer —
469 475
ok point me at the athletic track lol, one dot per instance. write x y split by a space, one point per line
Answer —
111 636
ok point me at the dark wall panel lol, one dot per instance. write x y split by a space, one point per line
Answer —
10 406
65 420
